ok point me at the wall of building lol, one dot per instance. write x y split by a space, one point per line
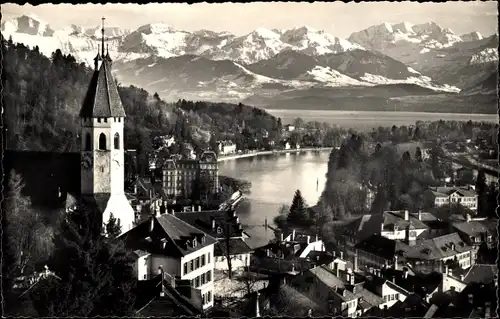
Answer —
314 246
143 267
400 234
450 283
237 261
390 296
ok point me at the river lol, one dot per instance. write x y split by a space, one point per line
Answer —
364 120
275 178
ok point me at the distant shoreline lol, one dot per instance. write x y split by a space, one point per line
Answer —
247 155
362 111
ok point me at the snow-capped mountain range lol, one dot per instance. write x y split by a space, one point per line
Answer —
223 66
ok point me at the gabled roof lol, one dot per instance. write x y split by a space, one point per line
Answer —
448 191
475 227
202 220
427 249
482 273
102 98
167 229
368 225
236 247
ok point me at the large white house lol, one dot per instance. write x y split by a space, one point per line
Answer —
185 253
465 196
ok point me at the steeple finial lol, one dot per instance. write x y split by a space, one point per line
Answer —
107 50
102 31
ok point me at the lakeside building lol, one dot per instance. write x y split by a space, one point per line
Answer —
440 196
226 147
180 176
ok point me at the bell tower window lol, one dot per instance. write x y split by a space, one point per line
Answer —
117 141
102 142
88 142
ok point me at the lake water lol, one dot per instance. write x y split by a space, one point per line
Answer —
275 178
363 120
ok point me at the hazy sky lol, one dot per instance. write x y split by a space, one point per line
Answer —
337 18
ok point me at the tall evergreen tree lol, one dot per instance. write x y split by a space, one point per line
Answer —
298 211
96 273
418 154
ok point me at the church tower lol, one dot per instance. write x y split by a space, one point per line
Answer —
102 149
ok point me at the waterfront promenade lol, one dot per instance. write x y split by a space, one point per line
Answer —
277 152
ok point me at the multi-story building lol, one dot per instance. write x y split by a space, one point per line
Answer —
180 176
390 224
224 226
425 255
183 252
440 196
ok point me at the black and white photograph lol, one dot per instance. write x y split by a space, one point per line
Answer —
259 159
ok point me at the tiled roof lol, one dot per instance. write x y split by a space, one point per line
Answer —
102 99
428 249
481 273
447 191
418 283
236 247
371 299
330 280
368 225
475 227
203 221
174 231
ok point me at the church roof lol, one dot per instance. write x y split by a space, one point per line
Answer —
102 99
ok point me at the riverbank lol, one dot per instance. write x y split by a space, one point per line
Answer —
276 152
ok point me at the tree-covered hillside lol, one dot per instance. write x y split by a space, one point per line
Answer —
42 99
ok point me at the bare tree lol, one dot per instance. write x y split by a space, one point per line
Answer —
31 238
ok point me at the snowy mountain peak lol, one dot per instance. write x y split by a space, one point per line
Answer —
264 33
27 24
404 27
156 28
485 56
427 28
473 36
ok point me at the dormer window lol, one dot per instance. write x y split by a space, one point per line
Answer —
203 239
105 120
149 239
194 243
188 243
219 230
98 120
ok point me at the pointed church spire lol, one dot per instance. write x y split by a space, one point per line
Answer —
102 31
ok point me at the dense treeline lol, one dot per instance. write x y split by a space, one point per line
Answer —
43 96
394 168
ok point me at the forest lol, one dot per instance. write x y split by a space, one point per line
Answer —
43 96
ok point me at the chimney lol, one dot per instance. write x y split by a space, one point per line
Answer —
405 274
317 238
160 272
342 255
334 253
471 299
135 188
293 267
446 270
351 279
338 271
452 246
192 208
257 310
393 279
158 214
381 227
468 217
151 224
395 262
462 277
419 214
308 239
212 219
356 261
407 215
281 236
487 310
